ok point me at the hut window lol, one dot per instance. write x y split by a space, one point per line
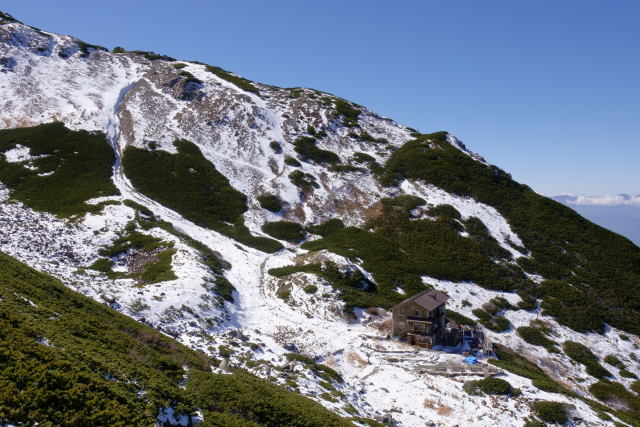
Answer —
417 313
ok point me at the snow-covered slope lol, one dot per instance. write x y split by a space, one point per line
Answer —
47 77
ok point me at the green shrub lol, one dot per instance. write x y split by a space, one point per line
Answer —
310 289
179 66
285 230
240 82
276 147
308 151
398 250
446 211
612 392
284 294
593 271
492 386
290 269
270 202
333 225
99 361
303 180
291 161
613 361
349 114
77 166
624 373
359 157
535 337
550 412
457 317
190 78
152 56
191 185
635 386
119 49
102 264
496 324
513 362
581 354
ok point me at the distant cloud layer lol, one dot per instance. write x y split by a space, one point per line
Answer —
607 200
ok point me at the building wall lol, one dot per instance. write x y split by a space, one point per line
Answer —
400 313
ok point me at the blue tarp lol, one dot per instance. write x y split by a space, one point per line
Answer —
472 360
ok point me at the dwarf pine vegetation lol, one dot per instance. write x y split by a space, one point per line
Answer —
65 168
67 360
191 185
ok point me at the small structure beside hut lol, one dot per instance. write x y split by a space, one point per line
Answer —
421 320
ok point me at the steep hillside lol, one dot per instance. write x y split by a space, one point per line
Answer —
275 227
67 360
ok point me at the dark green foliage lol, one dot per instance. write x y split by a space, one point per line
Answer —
152 56
160 270
270 202
308 151
6 18
276 147
354 288
581 354
245 400
527 302
292 161
99 361
311 130
179 65
314 268
285 230
612 392
613 361
331 226
349 114
445 211
119 49
190 184
364 136
359 157
550 412
496 324
462 319
323 371
304 181
624 373
310 289
535 337
102 264
635 386
240 82
157 270
602 267
492 386
80 164
189 78
517 364
86 48
398 250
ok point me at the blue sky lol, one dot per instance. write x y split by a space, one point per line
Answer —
548 90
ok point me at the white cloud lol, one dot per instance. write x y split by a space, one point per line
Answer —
606 200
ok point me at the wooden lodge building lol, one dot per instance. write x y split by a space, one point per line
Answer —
421 319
